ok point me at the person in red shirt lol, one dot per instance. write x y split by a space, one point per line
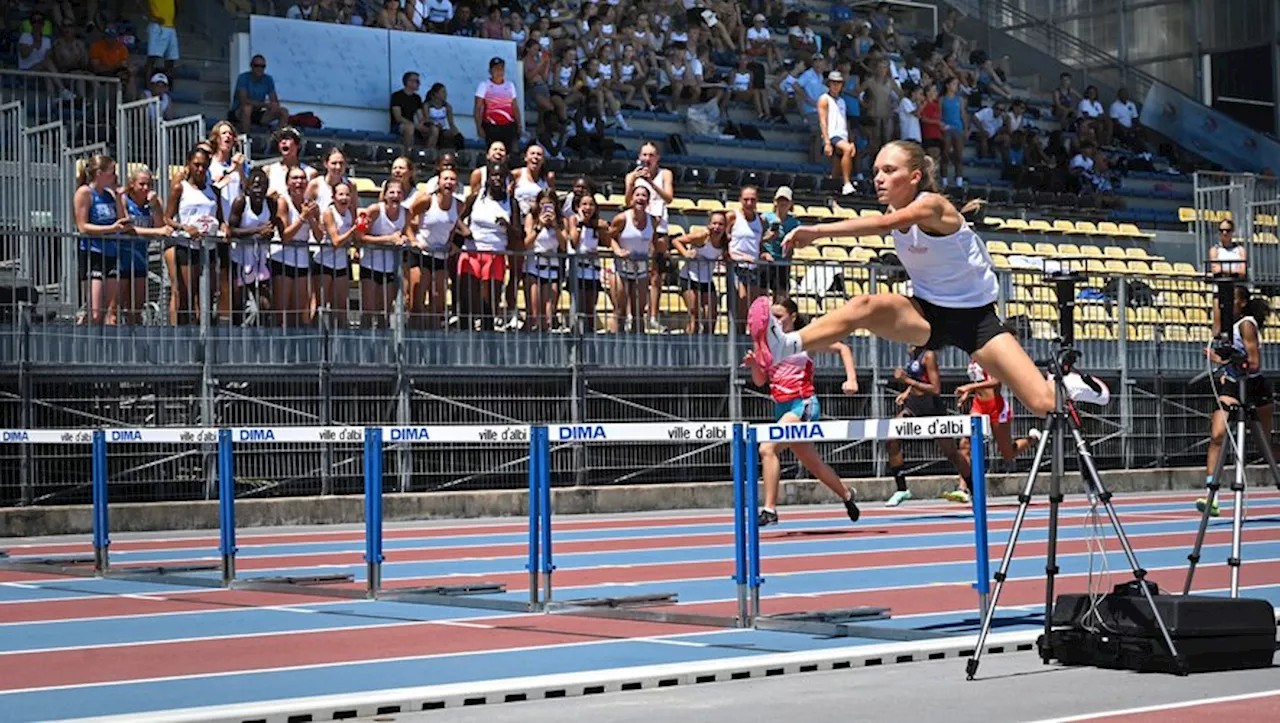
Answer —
497 110
931 123
790 383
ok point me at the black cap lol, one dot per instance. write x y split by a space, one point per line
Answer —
495 60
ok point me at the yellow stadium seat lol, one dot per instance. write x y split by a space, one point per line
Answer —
1172 316
993 222
1199 333
764 207
862 255
1093 312
681 205
876 242
1135 252
675 229
1086 227
1063 226
1143 315
1001 261
1108 228
613 201
819 213
1138 267
1046 312
1042 330
1015 224
1068 250
996 246
1117 266
1183 267
1015 309
1162 267
1175 333
365 185
835 253
1040 226
1144 332
1046 249
1132 231
709 205
1095 266
733 205
869 212
1113 252
1023 248
1186 215
843 213
1090 250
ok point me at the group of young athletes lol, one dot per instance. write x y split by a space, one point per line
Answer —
953 304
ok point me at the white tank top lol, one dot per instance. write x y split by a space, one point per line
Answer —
953 271
324 193
251 254
336 257
741 82
587 250
434 227
198 207
1235 253
486 234
745 237
294 254
527 191
837 119
702 267
657 206
278 178
231 191
381 257
638 242
1237 340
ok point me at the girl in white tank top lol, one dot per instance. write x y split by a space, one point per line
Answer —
746 234
632 236
291 258
434 218
333 260
586 232
320 188
253 223
533 179
702 251
194 212
380 257
544 241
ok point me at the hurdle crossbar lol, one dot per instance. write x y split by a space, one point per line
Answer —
978 429
640 606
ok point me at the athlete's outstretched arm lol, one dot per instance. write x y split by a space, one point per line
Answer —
925 207
850 385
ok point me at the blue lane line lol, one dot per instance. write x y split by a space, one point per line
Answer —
223 623
466 543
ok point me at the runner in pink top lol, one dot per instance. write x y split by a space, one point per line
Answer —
790 383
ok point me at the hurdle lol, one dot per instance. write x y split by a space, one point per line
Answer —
641 607
852 622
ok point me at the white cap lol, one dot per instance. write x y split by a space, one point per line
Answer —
160 78
783 192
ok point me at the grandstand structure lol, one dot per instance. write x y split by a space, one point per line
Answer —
1142 320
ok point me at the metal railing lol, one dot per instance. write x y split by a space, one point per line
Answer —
85 104
1252 204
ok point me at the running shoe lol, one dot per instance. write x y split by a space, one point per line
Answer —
898 498
1082 387
958 496
1213 511
766 518
1034 434
770 342
851 506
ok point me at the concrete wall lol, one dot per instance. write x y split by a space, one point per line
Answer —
161 516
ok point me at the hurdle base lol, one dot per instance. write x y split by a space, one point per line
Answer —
845 623
636 607
484 588
69 566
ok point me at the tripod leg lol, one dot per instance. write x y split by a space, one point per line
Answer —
1089 471
1237 510
1024 500
1055 501
1210 498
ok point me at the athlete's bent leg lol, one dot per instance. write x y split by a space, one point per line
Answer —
812 461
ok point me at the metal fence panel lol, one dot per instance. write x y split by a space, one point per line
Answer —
138 136
177 138
85 104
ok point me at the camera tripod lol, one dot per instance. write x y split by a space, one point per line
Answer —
1236 366
1062 422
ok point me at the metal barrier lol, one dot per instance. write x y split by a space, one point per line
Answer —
1252 203
138 136
177 138
85 104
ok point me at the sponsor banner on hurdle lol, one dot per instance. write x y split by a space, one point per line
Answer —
479 434
46 436
879 429
297 434
171 435
693 432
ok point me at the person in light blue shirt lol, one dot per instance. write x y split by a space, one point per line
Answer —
775 271
254 100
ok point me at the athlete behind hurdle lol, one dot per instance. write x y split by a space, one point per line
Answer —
988 401
954 281
922 397
790 382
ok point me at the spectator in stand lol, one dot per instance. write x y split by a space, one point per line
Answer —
1066 101
162 37
746 235
544 241
878 92
992 126
491 227
759 44
990 82
494 27
497 110
833 122
775 275
743 88
193 212
391 17
100 217
909 115
955 129
69 54
303 10
255 101
405 104
432 16
1092 117
348 14
586 232
383 254
931 132
433 217
158 87
464 24
437 115
146 217
633 78
702 251
810 86
802 39
35 42
1227 256
661 186
109 56
1124 118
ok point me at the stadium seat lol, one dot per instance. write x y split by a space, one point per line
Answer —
1108 228
1068 249
1000 261
1113 252
1046 249
1117 266
1135 252
1132 231
1015 224
1138 267
1090 250
1040 226
1064 227
1143 332
997 246
835 253
1086 227
1023 248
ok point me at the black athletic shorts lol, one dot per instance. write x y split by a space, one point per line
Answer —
1257 390
966 329
925 405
